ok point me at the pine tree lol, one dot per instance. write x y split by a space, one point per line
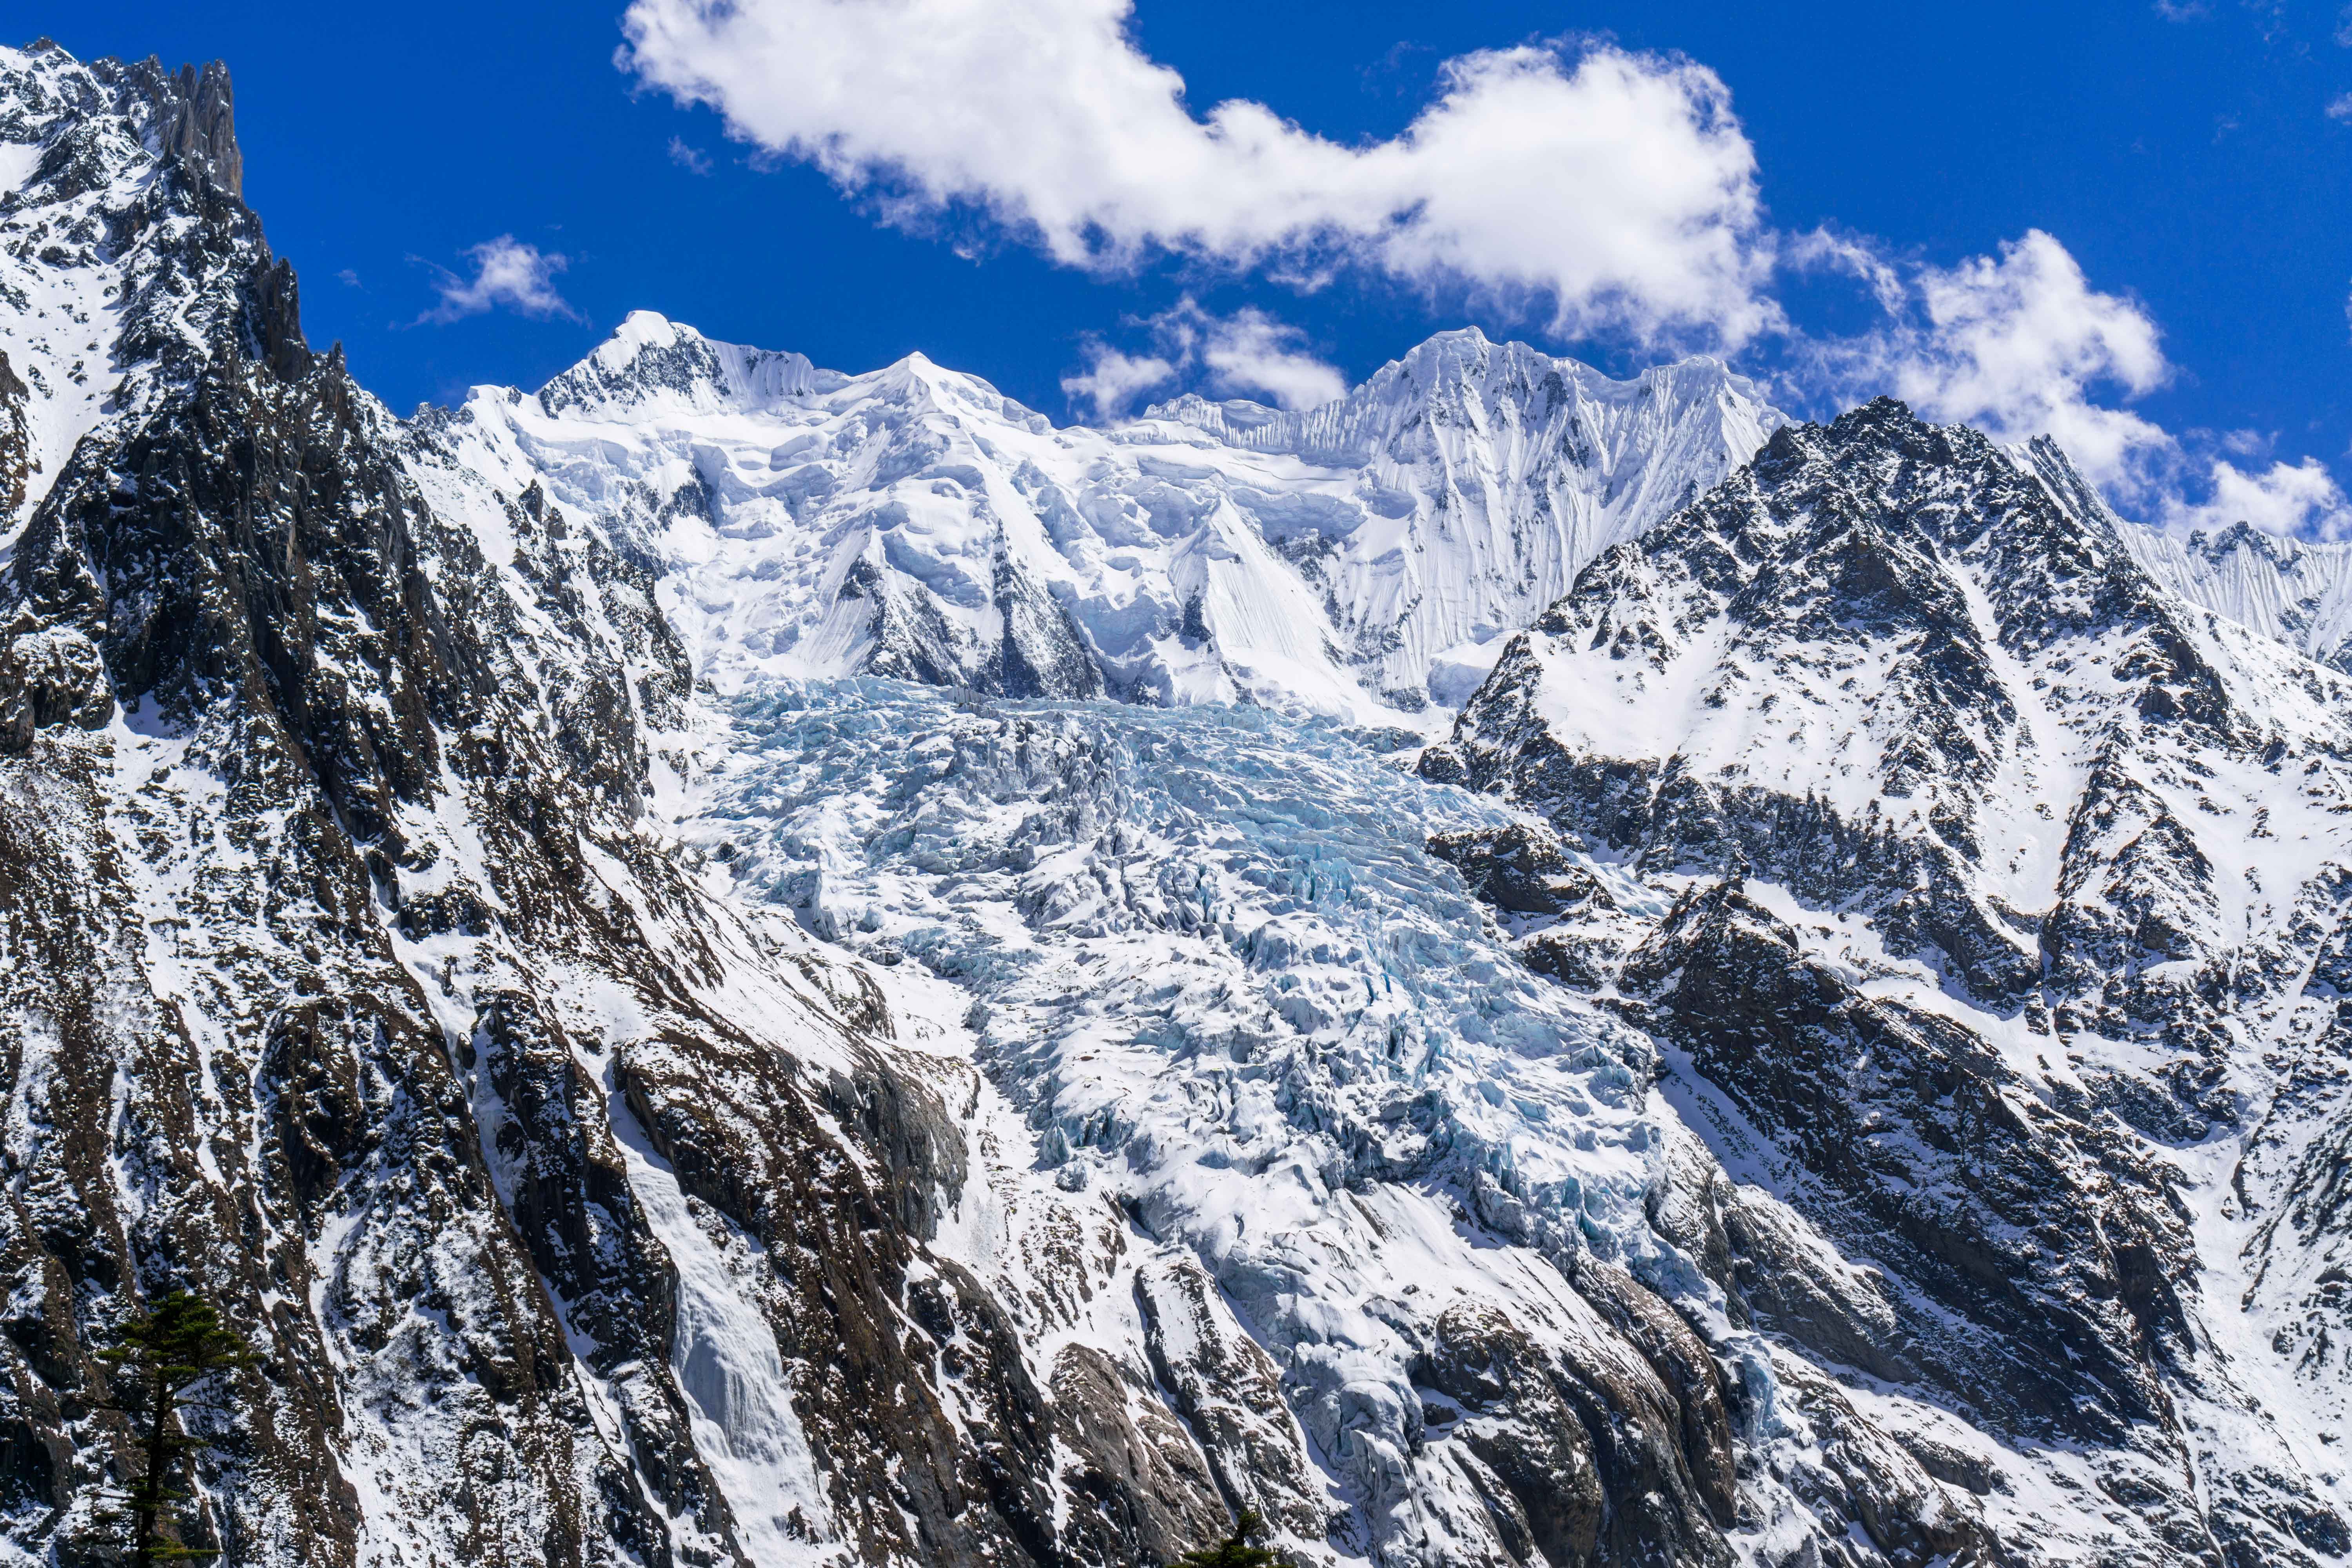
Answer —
164 1356
1238 1549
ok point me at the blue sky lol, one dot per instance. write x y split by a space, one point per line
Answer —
2126 222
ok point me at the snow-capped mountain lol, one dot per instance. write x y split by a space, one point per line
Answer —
916 523
2006 950
727 964
2295 590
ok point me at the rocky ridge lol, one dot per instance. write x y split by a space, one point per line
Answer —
607 928
2006 900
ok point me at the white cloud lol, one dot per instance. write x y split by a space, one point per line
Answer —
508 273
1251 352
1248 352
693 160
1833 250
2021 345
1113 380
2299 499
1614 190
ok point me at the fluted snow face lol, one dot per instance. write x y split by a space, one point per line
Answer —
1503 471
2296 591
1362 559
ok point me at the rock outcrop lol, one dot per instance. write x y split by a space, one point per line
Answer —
615 933
1995 883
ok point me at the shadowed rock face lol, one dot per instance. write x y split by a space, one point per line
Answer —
195 127
1521 869
342 973
1538 1457
1972 918
1866 1095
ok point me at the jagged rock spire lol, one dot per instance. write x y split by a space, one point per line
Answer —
195 124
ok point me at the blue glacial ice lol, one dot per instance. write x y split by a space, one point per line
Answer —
1210 960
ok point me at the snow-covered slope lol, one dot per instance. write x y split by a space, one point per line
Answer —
1354 560
2006 948
619 932
2295 590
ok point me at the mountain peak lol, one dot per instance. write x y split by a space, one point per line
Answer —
641 329
2245 535
196 123
651 360
917 369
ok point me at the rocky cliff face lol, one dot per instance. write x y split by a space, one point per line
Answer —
611 930
2004 882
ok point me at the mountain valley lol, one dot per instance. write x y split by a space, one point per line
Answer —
723 962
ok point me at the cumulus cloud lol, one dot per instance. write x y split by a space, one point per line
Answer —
508 274
1613 191
1248 354
2297 499
1114 379
2020 344
693 160
2339 109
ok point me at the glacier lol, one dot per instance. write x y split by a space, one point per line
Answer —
731 963
1210 960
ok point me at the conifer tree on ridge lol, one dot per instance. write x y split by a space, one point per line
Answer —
165 1354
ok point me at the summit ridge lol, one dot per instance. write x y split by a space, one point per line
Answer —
1360 559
